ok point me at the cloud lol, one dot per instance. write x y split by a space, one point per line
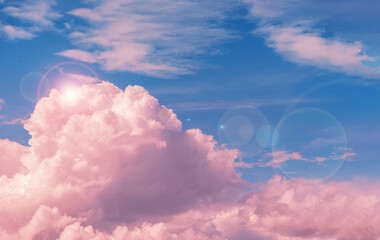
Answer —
276 159
150 37
34 16
217 105
37 12
282 209
78 55
109 156
13 121
301 46
111 164
2 102
10 153
295 37
13 32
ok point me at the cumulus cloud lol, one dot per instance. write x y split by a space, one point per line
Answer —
107 156
103 163
151 37
282 209
10 154
295 37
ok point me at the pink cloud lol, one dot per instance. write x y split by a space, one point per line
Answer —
111 156
297 38
35 16
13 32
348 156
282 209
113 164
13 121
79 55
2 102
11 152
302 46
276 159
146 36
40 13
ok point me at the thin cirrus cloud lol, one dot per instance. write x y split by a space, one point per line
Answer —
295 37
34 16
103 163
2 102
150 37
276 159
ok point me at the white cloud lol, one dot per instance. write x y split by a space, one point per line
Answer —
150 37
294 37
35 16
13 32
38 12
79 55
301 46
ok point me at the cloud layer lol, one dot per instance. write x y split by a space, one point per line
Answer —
110 164
108 156
150 37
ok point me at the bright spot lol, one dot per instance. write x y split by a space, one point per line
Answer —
70 95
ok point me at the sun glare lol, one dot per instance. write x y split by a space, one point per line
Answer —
70 95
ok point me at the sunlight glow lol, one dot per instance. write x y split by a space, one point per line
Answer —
70 95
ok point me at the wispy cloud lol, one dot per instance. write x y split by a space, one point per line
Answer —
276 159
220 105
34 16
79 55
298 40
16 121
2 102
13 32
151 37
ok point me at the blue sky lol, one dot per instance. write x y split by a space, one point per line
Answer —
312 67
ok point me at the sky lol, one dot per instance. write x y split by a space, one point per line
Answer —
186 119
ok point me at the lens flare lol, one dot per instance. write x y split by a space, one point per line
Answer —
29 86
67 73
238 129
267 136
311 144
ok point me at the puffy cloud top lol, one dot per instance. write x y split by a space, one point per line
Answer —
107 156
108 164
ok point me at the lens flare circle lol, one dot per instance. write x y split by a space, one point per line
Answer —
267 136
29 86
311 144
238 129
67 73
